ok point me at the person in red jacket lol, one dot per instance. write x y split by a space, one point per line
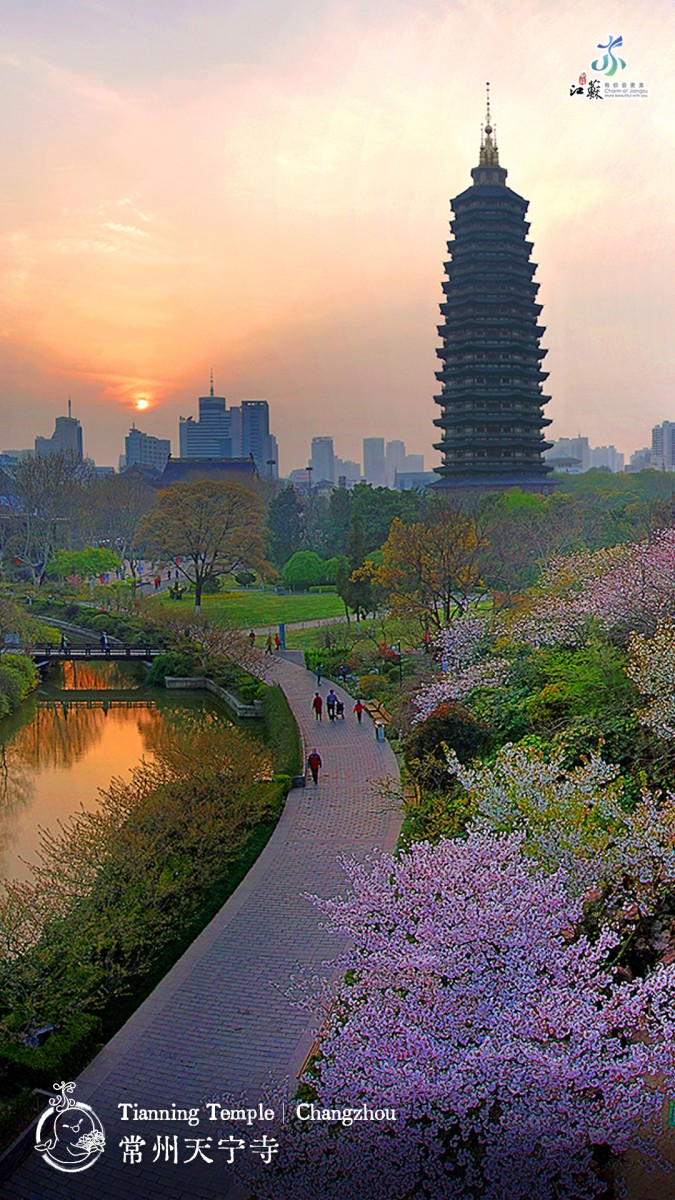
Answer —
358 709
317 705
314 764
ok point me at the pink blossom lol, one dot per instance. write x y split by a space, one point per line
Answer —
471 1005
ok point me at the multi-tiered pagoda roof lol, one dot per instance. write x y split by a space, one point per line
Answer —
491 378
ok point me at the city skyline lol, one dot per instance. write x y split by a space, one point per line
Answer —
190 188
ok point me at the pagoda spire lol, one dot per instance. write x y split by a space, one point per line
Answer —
489 151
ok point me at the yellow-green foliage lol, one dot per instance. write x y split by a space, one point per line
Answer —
18 677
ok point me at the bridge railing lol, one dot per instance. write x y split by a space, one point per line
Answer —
48 651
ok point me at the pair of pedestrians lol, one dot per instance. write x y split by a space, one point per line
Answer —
334 706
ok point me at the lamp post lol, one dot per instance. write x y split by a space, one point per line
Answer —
397 648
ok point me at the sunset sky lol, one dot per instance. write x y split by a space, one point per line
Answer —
262 187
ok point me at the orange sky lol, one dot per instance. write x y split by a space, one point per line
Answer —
264 190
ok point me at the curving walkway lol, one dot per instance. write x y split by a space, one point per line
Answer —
220 1021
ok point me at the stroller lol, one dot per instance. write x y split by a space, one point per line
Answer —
339 710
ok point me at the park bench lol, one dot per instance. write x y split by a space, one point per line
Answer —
377 711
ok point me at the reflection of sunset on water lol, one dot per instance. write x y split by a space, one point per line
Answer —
74 745
95 676
60 736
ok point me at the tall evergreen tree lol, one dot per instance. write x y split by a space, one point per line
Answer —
285 521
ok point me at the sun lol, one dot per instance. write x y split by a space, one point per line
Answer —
142 403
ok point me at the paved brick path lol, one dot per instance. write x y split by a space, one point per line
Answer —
220 1020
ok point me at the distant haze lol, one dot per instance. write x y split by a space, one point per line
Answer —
263 188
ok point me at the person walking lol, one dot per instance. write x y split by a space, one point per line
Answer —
251 638
277 642
317 705
314 763
318 674
104 643
65 644
343 673
358 709
268 644
331 701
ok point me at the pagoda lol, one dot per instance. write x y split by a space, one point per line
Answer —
491 398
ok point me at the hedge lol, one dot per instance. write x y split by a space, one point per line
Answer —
282 731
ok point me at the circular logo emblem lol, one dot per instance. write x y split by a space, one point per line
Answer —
69 1135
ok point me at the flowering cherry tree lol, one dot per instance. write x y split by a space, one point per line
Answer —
578 819
651 665
623 589
472 1006
464 648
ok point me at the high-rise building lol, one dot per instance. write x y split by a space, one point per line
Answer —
491 377
210 436
663 446
144 450
394 457
322 459
640 460
66 438
607 456
374 467
255 432
347 469
413 463
237 432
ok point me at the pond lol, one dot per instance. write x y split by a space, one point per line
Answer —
85 725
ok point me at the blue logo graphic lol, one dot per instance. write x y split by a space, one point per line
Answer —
608 64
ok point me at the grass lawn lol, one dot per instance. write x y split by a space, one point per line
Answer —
367 634
242 609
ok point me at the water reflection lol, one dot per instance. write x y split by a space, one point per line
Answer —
66 744
95 676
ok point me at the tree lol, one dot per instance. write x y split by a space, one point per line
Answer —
622 589
93 560
431 568
118 503
52 494
354 577
339 519
304 569
651 666
470 1003
376 507
212 528
285 521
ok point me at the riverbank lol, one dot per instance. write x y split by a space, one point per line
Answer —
127 890
224 1018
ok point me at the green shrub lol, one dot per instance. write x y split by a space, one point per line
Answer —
65 1050
174 662
322 588
303 569
450 724
24 669
282 731
370 686
11 685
